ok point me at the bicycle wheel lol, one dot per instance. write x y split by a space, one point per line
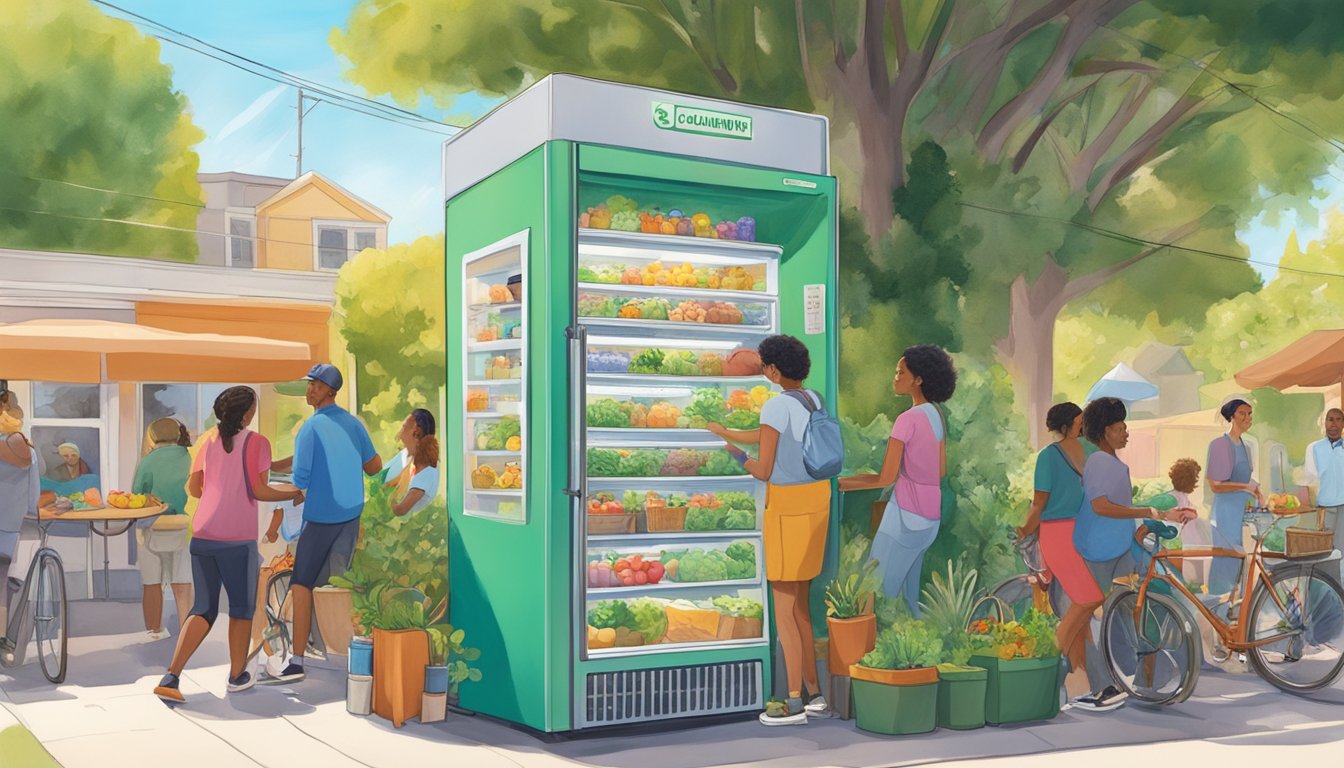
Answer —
1310 653
279 616
1016 597
50 616
1152 653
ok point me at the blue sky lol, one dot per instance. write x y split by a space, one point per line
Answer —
251 127
251 124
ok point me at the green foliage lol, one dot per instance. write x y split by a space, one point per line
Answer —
610 614
850 593
949 600
1031 638
865 447
89 106
739 607
390 311
909 644
446 649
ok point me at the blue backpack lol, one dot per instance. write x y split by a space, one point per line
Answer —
823 448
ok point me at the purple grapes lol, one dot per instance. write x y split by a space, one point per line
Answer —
746 229
601 361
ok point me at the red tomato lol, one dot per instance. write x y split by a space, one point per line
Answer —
641 577
621 565
656 572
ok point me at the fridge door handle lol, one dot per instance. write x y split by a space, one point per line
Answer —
578 416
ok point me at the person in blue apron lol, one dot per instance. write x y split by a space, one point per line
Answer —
1229 472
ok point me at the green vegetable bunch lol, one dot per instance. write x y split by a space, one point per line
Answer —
648 361
909 644
736 500
649 619
633 501
654 309
739 607
604 462
683 363
704 519
743 419
721 464
641 463
739 520
607 412
610 614
707 403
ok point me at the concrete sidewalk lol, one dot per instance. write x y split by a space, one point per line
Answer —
107 709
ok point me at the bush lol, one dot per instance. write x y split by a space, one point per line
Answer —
909 644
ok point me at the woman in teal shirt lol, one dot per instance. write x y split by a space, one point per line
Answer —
164 558
1059 494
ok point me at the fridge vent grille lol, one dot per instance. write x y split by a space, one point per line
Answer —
654 694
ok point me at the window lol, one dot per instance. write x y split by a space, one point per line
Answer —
68 432
242 246
191 404
337 242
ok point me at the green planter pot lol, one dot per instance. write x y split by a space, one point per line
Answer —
1020 690
961 698
895 710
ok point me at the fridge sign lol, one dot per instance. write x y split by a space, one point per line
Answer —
706 122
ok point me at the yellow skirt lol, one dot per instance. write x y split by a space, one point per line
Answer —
794 525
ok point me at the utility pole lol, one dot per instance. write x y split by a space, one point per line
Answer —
298 166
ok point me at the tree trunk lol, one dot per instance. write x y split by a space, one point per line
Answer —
1028 351
883 167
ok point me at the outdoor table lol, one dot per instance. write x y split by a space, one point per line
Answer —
106 516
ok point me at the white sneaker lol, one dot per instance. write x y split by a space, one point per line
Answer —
817 708
780 712
159 634
1105 701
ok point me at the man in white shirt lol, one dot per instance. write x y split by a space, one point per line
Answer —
1325 469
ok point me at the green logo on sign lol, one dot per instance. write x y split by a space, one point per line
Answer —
706 122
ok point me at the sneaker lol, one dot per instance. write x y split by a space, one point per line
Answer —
781 712
1108 699
159 634
292 673
240 683
817 708
167 690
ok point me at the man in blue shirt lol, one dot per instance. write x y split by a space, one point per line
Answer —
1325 469
329 452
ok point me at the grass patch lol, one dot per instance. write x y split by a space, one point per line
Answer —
22 750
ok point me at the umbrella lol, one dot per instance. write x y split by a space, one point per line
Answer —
1315 360
1123 383
97 351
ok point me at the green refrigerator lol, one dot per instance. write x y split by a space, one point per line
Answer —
614 255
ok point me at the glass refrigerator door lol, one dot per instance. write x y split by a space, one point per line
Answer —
673 550
494 370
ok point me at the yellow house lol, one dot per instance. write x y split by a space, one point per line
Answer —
312 224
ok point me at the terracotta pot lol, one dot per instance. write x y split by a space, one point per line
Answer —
850 639
919 676
334 609
399 661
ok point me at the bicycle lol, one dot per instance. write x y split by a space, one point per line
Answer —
275 638
1292 633
44 592
1011 598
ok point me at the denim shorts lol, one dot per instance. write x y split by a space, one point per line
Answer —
230 564
324 549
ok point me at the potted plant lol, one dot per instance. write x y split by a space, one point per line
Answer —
1023 664
896 684
447 670
851 624
401 651
947 605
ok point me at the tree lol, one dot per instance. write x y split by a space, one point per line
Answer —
88 107
391 314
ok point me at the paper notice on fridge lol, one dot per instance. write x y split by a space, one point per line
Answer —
814 309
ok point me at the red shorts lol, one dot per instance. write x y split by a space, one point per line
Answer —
1065 564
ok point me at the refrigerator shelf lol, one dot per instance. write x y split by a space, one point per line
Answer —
660 648
684 329
495 453
653 483
494 382
606 593
622 436
515 492
495 346
680 244
644 381
640 538
501 307
678 292
489 414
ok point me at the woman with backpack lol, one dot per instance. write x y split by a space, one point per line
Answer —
797 508
915 463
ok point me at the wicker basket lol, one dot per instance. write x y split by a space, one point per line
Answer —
1309 542
611 524
663 519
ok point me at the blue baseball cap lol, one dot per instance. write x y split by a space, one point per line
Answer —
327 374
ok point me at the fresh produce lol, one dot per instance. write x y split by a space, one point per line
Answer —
710 364
483 477
601 638
688 312
511 477
738 500
683 363
746 229
632 570
494 437
629 310
1282 501
739 520
721 464
604 462
704 500
625 221
663 415
682 462
605 504
640 463
739 607
756 314
597 305
604 412
742 419
704 519
633 501
600 575
647 361
620 203
514 443
703 565
650 617
723 313
689 622
478 400
654 309
608 362
610 614
707 405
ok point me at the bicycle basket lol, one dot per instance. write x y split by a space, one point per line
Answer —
1309 542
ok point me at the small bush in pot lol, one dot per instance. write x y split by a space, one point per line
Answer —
851 625
896 684
1023 664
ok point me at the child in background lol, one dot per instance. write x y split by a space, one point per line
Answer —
1184 474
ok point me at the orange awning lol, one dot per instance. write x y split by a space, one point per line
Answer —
1315 360
304 323
95 351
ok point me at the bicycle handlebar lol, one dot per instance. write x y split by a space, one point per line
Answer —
1162 531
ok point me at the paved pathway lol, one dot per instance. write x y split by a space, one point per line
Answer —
107 709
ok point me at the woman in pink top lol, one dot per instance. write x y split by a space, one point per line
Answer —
915 463
229 477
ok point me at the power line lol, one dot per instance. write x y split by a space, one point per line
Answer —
1135 240
344 99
